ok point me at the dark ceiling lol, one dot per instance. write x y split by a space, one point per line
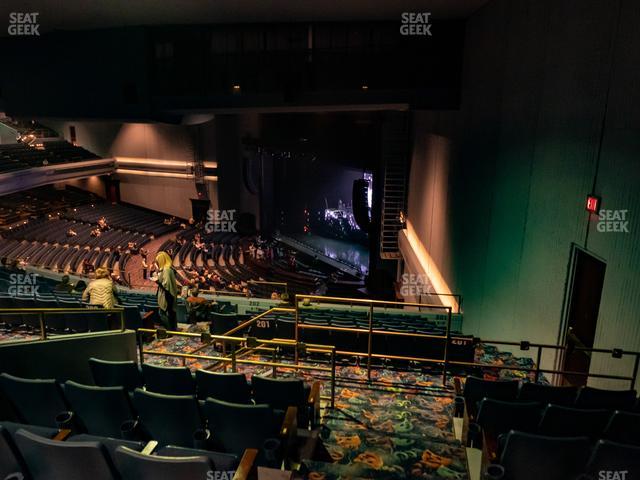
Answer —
89 14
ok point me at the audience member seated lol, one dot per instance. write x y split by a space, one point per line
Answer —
64 285
101 291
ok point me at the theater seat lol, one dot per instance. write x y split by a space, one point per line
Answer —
623 427
53 460
229 387
545 394
37 402
475 389
535 457
496 417
614 457
10 458
134 465
111 444
169 419
280 393
108 373
223 462
560 421
169 380
236 427
589 397
101 410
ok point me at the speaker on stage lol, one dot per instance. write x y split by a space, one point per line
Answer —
361 211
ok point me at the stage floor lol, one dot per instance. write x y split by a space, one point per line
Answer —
353 254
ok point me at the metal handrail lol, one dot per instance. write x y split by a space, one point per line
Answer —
43 312
457 296
246 324
257 317
445 361
525 345
371 332
264 282
311 347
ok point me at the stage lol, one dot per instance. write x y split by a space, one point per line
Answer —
349 257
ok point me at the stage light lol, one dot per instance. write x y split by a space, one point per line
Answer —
593 204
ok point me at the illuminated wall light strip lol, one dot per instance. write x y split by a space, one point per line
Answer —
210 178
144 173
430 268
153 161
210 164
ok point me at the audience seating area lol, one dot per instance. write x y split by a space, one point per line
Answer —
122 217
44 243
532 431
282 325
126 428
19 207
20 156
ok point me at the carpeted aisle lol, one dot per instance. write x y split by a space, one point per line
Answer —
398 426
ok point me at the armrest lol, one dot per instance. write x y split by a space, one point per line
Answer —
62 434
314 403
289 423
288 433
149 447
475 436
246 466
457 385
490 446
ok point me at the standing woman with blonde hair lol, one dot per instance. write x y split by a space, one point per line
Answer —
167 290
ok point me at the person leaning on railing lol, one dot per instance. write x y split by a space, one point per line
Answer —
101 291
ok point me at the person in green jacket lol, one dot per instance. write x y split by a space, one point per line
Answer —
167 291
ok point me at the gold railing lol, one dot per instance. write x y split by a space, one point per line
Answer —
232 293
244 325
43 312
277 284
251 343
369 354
616 353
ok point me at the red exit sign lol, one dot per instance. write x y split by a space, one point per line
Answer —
593 204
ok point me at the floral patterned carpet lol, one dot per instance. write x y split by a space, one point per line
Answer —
398 426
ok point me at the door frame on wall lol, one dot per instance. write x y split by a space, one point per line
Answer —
566 312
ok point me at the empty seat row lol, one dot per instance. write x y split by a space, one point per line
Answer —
475 389
180 420
533 457
229 387
29 452
497 417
